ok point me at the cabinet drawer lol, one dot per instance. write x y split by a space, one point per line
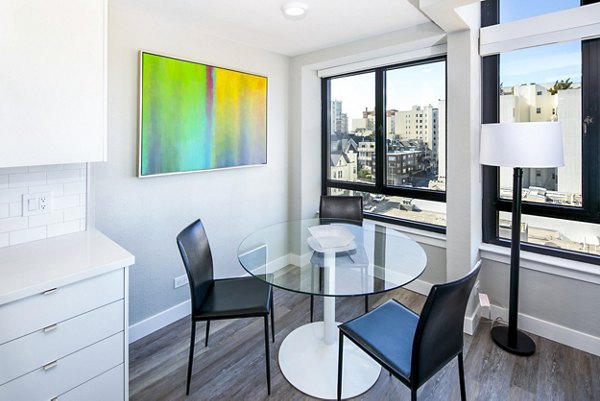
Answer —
109 386
41 347
55 305
67 373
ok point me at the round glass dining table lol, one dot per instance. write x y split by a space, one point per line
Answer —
329 258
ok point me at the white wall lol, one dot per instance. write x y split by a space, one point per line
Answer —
558 299
463 201
145 215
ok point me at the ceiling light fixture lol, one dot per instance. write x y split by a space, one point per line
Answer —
294 10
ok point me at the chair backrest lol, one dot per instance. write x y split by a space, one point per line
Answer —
197 259
341 207
439 334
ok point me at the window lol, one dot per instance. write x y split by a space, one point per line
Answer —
561 206
394 160
511 10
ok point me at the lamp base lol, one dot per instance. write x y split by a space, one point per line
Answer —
524 346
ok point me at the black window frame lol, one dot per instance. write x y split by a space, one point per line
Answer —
589 212
380 186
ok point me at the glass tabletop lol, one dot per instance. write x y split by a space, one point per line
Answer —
332 257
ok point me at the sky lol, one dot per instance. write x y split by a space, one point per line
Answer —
405 87
543 64
511 10
425 84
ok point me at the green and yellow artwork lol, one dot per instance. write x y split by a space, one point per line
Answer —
197 117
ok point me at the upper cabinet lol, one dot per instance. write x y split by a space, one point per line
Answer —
52 81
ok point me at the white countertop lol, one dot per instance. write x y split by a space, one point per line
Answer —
35 267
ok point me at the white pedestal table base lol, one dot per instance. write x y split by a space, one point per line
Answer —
310 365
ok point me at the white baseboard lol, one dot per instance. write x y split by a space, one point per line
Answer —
419 286
472 321
552 331
153 323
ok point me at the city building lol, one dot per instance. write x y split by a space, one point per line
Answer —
535 102
421 123
339 120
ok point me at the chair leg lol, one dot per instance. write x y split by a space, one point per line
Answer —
312 306
366 303
461 374
272 317
340 365
207 330
191 358
267 355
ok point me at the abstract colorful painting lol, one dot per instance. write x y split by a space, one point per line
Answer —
195 117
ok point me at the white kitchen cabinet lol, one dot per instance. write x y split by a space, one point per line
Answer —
52 81
64 319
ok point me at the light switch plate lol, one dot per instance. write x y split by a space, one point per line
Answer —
38 203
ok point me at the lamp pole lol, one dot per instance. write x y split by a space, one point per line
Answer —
510 338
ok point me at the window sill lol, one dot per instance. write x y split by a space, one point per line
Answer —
545 264
421 236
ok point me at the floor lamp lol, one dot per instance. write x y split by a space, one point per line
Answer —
519 145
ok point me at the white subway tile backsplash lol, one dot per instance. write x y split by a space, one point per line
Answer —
71 188
56 189
68 186
13 224
26 180
64 202
74 213
63 228
45 219
15 209
12 194
75 166
13 170
56 177
49 167
31 234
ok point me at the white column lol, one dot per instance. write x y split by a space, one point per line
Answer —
330 335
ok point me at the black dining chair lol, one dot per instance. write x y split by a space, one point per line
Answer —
411 347
344 208
218 299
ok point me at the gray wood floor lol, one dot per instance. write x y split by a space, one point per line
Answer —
232 366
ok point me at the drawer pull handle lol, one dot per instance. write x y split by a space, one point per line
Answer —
50 365
50 328
51 291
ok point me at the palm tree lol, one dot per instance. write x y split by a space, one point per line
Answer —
560 85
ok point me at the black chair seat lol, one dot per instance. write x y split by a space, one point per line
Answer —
233 297
387 333
414 347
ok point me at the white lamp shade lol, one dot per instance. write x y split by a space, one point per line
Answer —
537 144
